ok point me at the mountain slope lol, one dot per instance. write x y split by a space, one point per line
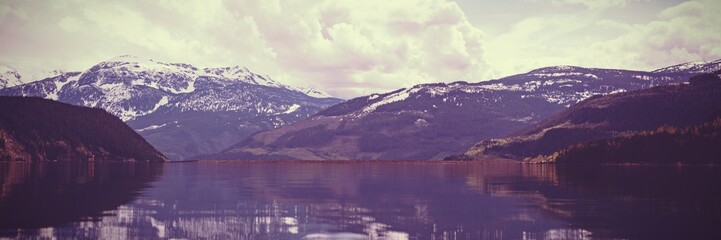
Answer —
606 117
181 109
667 145
432 121
35 129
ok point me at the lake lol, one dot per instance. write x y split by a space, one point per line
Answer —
358 200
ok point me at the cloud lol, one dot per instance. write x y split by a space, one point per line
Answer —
684 32
350 48
540 41
345 47
372 45
592 4
688 31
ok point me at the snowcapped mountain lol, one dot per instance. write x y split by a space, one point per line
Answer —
127 85
314 92
693 67
9 77
43 75
619 116
431 121
181 109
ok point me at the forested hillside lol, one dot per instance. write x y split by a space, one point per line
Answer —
36 129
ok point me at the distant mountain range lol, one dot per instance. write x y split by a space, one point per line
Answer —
665 124
186 111
181 109
432 121
36 129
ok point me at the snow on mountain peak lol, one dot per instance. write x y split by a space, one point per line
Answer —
228 71
242 74
556 69
397 96
313 92
128 59
9 77
694 67
45 74
138 64
126 71
150 68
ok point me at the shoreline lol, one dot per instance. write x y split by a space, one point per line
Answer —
478 161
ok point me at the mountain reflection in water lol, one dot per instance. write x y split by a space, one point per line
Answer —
51 194
394 200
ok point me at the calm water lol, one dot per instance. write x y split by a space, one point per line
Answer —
400 200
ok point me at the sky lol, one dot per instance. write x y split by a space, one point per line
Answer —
351 48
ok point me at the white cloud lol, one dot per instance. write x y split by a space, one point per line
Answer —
350 47
686 32
592 4
359 47
70 24
681 33
345 47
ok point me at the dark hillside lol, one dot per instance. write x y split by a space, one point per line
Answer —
667 145
612 116
36 129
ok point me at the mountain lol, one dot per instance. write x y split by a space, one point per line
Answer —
36 129
666 145
314 92
637 118
181 109
9 77
431 121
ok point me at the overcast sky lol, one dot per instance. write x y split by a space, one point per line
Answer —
351 48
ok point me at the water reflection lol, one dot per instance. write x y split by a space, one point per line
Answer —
285 200
40 195
661 202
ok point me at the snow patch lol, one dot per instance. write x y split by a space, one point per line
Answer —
396 97
291 109
643 77
313 92
109 86
521 119
163 101
617 91
59 86
45 75
151 127
189 89
9 77
565 74
143 82
438 91
503 87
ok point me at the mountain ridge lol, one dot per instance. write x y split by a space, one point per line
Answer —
431 121
608 117
181 109
37 129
